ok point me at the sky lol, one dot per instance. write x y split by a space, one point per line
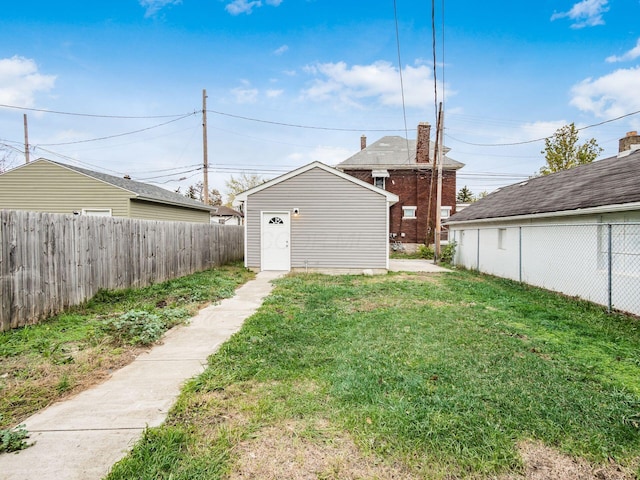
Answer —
118 86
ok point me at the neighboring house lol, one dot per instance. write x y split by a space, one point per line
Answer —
576 231
225 215
404 167
316 218
47 186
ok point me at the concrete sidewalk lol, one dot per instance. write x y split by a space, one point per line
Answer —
82 437
414 265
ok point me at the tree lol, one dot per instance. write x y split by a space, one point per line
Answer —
195 192
464 195
243 182
563 152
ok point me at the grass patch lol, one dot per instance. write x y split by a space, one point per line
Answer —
40 364
446 378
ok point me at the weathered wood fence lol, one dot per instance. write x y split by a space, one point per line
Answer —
50 261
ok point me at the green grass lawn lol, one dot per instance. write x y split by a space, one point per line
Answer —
409 375
42 363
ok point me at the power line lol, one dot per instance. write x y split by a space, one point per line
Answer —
543 138
310 127
117 135
91 114
404 108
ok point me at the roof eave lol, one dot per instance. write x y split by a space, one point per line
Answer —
622 207
169 202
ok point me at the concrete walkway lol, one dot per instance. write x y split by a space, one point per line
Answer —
411 265
81 438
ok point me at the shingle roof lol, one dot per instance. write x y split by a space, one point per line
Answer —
612 181
223 211
392 152
142 191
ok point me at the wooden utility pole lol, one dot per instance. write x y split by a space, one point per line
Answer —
26 140
205 183
440 158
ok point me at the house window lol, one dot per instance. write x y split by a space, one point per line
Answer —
502 238
97 212
445 212
276 221
409 212
379 178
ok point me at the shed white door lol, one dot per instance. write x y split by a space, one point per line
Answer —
275 240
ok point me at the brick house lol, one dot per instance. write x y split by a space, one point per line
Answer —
404 167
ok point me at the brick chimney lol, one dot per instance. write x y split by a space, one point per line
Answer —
363 142
631 141
422 142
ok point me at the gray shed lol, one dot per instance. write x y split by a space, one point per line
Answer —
317 218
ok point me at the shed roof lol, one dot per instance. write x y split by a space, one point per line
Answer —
142 191
612 181
394 152
242 197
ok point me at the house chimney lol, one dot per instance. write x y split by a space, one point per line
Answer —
363 142
422 142
631 141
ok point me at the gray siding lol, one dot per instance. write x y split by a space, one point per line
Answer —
341 225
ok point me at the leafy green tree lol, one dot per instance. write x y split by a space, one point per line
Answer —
562 150
243 182
464 195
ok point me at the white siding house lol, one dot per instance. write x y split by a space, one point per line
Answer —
575 231
316 218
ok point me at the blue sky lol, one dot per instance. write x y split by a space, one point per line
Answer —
508 72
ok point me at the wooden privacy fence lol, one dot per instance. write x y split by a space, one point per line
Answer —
51 261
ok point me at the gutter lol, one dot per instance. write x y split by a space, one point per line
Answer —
622 207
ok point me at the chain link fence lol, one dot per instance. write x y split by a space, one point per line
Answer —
596 262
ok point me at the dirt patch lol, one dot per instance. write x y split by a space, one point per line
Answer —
545 463
297 451
28 384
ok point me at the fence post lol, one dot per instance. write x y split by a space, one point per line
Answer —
520 253
610 270
478 252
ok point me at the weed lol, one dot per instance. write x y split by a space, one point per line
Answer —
13 439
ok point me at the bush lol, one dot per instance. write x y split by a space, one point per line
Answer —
136 327
447 253
425 251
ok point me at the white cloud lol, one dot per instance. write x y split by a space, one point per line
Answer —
379 80
20 81
630 55
541 129
587 13
154 6
245 93
609 96
322 153
281 50
274 93
237 7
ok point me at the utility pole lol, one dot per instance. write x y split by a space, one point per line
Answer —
438 228
26 140
205 183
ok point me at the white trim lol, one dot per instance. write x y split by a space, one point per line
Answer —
105 210
380 173
622 207
242 197
409 207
